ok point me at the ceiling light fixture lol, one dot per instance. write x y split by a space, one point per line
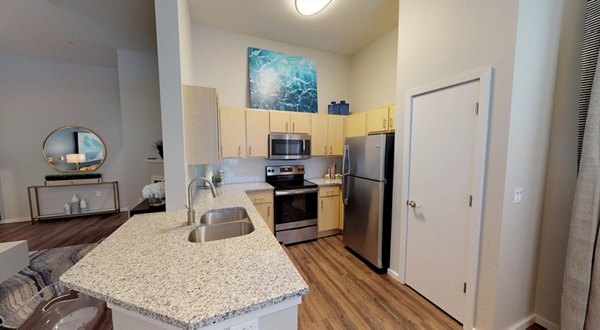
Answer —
311 7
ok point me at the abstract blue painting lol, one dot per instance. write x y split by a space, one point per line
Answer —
279 81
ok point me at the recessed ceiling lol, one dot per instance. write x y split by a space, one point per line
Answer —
344 27
80 31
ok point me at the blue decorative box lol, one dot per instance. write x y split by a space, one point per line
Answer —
343 108
333 108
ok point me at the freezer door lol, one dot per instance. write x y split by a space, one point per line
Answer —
363 218
366 156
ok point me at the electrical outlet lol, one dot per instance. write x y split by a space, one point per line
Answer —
518 196
98 193
250 325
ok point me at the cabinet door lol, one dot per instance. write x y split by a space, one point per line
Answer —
233 132
329 213
392 116
300 122
257 133
266 212
356 124
335 135
377 120
200 125
279 121
318 138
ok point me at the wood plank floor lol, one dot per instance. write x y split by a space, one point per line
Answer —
346 294
62 232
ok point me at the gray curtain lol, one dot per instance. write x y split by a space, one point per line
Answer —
580 305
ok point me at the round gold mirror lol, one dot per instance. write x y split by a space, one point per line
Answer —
74 149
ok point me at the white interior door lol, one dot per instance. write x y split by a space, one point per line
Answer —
441 182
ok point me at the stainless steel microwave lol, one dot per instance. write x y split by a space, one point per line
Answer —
289 146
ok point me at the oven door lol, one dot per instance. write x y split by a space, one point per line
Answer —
289 146
295 208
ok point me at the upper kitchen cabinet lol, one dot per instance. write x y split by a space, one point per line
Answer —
200 125
257 133
335 135
327 138
381 120
289 122
233 132
318 138
392 115
356 124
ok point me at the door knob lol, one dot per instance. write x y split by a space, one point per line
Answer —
412 203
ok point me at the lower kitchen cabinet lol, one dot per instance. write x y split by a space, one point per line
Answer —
329 215
263 201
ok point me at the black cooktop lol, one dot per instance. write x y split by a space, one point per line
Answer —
292 184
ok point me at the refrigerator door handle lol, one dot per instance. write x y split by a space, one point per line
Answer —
345 172
346 160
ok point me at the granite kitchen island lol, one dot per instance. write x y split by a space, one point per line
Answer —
147 271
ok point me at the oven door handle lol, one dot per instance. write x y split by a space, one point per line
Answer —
296 192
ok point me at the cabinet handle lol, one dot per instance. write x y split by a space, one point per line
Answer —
321 205
293 127
239 150
249 150
268 211
325 152
384 127
330 150
391 123
286 127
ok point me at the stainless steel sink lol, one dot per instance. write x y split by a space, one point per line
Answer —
223 215
207 233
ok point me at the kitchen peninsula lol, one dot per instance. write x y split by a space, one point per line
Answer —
151 276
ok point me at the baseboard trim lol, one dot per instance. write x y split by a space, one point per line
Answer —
13 220
524 323
533 319
545 323
395 275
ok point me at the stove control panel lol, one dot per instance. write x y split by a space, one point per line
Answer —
284 170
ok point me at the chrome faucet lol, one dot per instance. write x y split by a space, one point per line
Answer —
191 214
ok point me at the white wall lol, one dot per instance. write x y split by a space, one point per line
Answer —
171 42
38 96
536 53
438 40
140 119
373 74
220 60
562 169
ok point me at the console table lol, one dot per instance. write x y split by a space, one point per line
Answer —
46 202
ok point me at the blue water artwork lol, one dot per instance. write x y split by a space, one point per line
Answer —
279 81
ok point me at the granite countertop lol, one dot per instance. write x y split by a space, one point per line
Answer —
326 182
149 267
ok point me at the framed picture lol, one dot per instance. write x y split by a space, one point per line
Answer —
90 145
279 81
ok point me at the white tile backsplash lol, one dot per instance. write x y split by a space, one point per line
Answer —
253 170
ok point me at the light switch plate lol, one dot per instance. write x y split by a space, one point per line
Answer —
518 195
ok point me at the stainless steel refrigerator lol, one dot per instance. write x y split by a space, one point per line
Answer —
368 168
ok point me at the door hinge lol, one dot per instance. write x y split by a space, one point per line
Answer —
470 200
465 287
477 108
